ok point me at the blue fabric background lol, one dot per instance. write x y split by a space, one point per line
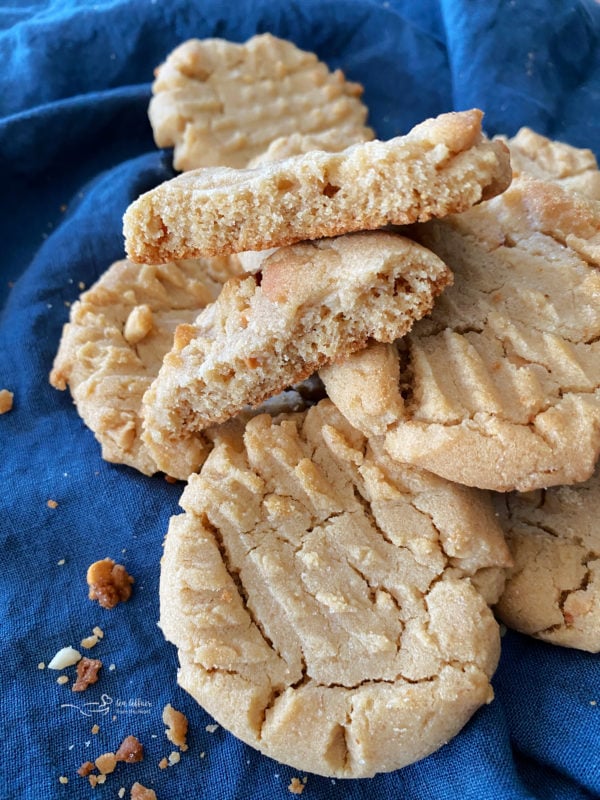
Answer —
75 149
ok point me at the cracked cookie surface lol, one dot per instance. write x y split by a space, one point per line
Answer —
499 387
113 345
442 166
324 598
572 168
222 103
311 303
553 590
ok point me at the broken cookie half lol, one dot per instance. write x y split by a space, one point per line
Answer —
329 605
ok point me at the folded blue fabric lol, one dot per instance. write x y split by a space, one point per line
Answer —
76 148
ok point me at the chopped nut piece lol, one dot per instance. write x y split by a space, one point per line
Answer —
106 763
63 779
139 792
121 792
89 642
95 728
87 673
85 769
174 758
65 657
296 786
109 583
139 324
130 750
163 763
62 679
98 632
177 725
6 400
52 504
93 779
41 665
102 778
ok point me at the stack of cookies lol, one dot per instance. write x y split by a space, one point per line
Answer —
374 363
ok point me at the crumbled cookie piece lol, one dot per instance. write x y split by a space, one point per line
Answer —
6 400
63 779
86 768
106 763
139 792
177 726
87 673
163 763
89 642
109 583
296 786
62 679
52 504
130 750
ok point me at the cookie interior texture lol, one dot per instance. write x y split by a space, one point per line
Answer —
552 592
442 166
312 303
222 103
323 598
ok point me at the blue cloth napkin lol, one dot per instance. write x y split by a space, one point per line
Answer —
75 149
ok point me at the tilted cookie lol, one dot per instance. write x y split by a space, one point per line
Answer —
499 387
312 303
323 598
443 165
553 590
222 103
113 345
573 168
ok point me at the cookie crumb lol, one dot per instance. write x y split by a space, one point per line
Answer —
211 728
52 504
163 763
6 401
106 763
121 792
112 668
62 679
63 779
87 673
95 728
86 768
93 779
41 665
130 750
109 583
139 792
174 758
177 726
102 778
296 786
593 703
203 754
61 563
65 657
97 631
89 642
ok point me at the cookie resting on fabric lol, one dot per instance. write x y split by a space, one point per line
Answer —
114 343
323 597
220 103
553 590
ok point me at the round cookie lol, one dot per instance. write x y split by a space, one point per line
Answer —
113 346
323 598
311 303
499 386
442 166
553 590
222 103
